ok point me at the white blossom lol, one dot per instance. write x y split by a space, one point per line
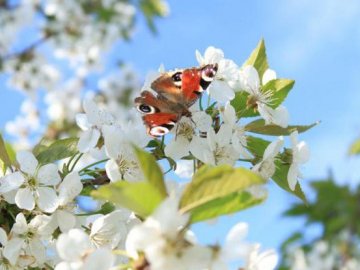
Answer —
266 167
216 149
33 184
76 252
265 260
300 155
262 100
91 122
221 89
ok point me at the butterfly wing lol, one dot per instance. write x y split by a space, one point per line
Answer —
158 114
185 86
174 93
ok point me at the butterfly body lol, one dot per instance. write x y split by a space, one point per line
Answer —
171 96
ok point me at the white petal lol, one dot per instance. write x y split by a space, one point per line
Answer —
47 199
281 116
112 170
88 140
49 174
177 148
223 137
113 143
72 245
20 225
221 91
100 259
213 55
82 121
302 153
251 79
273 148
3 237
267 260
11 181
27 161
200 149
202 120
235 246
184 168
24 199
292 176
269 75
294 138
12 249
37 249
69 188
199 58
10 196
66 220
229 114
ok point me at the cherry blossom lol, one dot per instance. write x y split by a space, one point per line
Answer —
91 122
300 155
221 89
262 101
266 167
33 184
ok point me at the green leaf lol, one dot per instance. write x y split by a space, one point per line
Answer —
151 170
354 148
4 154
140 197
259 127
151 9
220 190
58 150
258 58
241 107
279 89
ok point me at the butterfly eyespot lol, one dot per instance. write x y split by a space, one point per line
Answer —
208 72
177 77
158 131
143 108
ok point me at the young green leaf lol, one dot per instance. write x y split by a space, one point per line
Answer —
279 89
151 170
140 197
258 58
241 107
223 186
4 154
58 150
355 148
259 127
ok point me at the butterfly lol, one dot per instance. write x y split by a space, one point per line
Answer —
171 96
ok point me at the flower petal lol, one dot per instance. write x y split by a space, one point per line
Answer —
11 182
221 91
24 199
82 121
12 249
27 161
66 220
100 259
47 199
88 140
49 174
292 176
69 188
269 75
112 170
177 148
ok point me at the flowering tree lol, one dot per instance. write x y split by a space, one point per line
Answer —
96 146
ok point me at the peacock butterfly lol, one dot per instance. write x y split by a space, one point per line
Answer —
171 96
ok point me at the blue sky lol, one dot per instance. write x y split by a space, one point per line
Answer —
317 43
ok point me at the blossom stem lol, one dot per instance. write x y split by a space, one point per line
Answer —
93 164
75 162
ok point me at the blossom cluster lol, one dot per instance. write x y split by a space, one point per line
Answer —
93 141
